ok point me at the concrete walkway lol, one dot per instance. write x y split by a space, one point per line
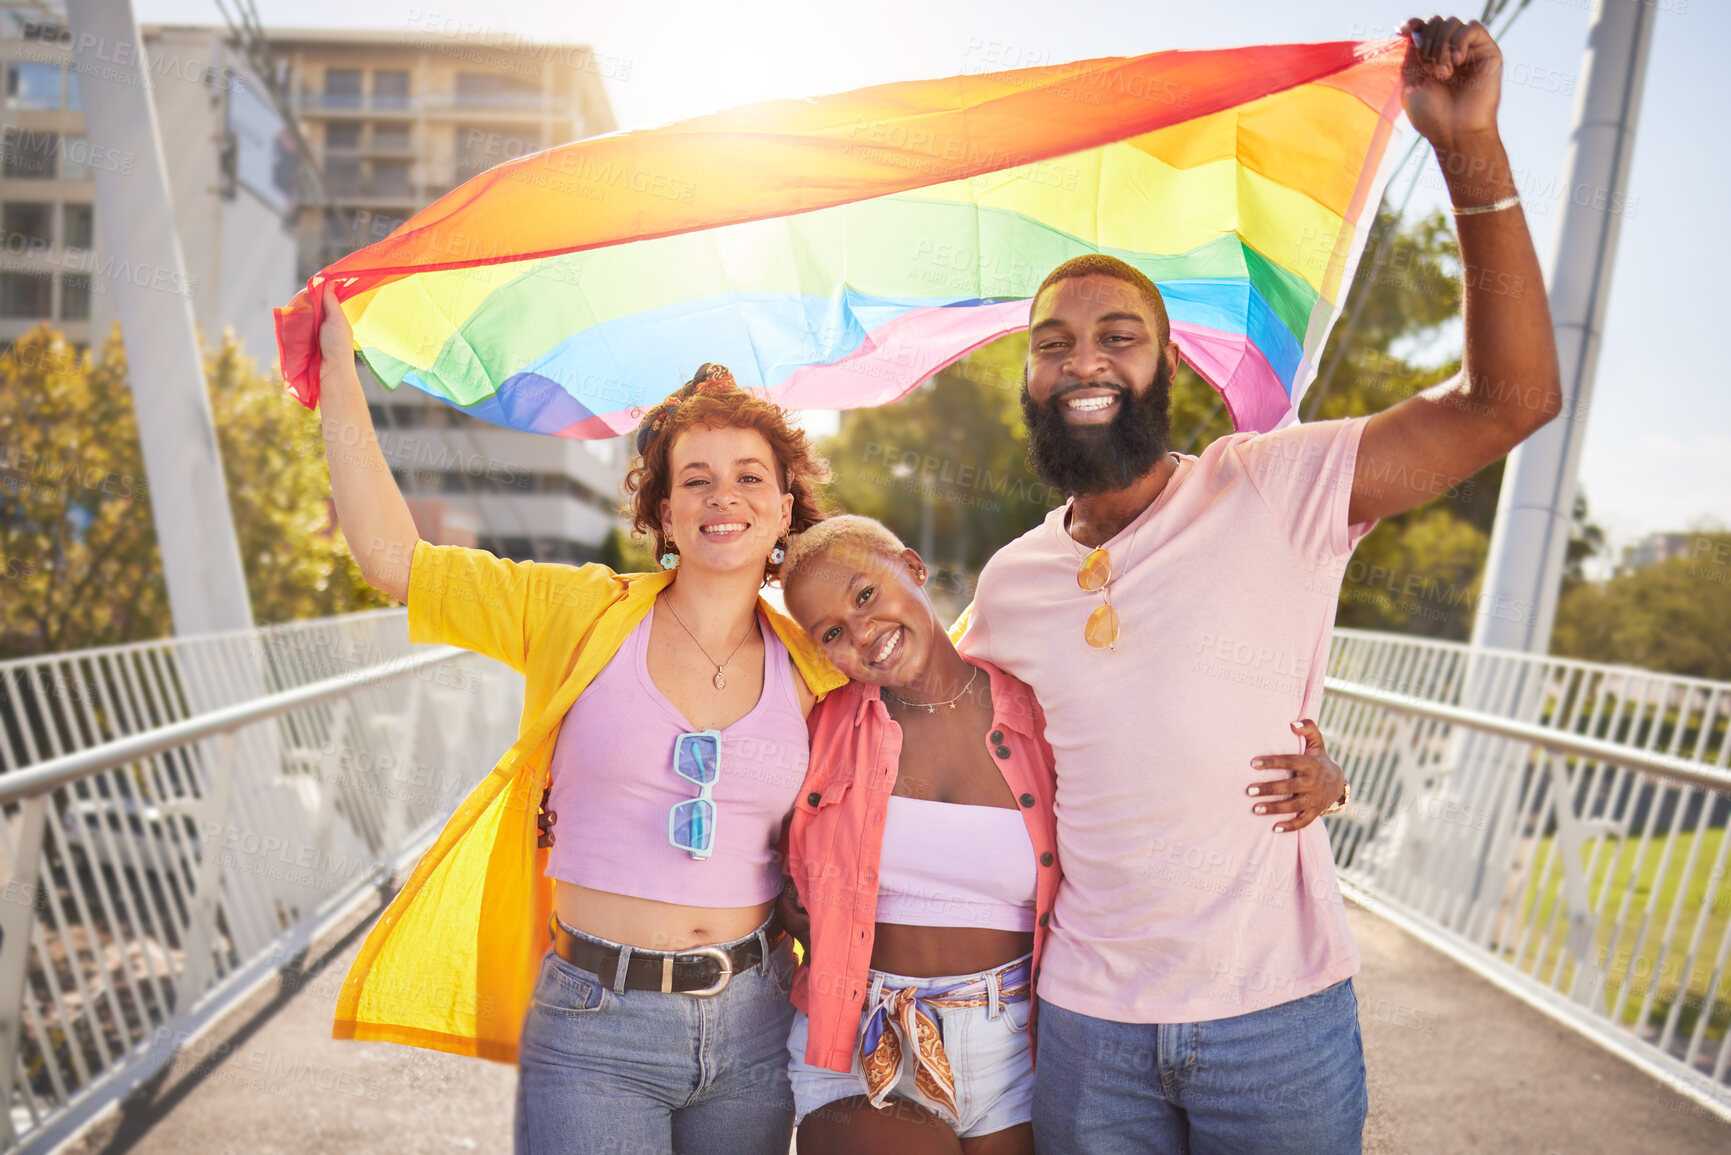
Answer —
1455 1065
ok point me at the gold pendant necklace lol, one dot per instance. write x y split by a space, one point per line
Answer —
720 679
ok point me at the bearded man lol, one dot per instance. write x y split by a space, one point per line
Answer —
1173 618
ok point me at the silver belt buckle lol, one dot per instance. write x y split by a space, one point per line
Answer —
721 957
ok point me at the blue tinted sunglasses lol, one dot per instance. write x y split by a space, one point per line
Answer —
691 824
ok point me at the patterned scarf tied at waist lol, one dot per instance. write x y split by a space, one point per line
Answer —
902 1024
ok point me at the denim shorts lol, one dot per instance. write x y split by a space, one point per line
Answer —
988 1054
604 1070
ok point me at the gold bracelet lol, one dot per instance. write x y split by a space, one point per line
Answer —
1493 207
1344 801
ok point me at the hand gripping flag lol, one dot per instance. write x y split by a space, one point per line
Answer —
838 251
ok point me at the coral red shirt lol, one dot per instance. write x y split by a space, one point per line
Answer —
835 841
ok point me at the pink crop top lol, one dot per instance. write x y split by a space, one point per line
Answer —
946 864
613 786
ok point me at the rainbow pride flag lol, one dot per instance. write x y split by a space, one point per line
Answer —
838 251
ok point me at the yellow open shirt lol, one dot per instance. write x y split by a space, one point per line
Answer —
452 962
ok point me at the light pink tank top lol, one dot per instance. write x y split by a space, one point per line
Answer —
613 786
946 864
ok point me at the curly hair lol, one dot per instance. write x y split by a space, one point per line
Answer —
711 400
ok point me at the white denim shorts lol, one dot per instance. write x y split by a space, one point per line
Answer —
989 1056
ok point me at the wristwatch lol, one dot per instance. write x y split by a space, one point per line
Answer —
1345 800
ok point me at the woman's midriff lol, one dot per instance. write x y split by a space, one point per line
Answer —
930 951
651 925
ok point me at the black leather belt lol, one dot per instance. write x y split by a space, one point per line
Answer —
701 972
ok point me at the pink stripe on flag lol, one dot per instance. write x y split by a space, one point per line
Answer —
601 428
889 363
897 356
1252 390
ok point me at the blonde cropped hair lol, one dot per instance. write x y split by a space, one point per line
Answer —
859 537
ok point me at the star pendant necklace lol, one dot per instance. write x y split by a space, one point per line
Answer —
932 707
720 679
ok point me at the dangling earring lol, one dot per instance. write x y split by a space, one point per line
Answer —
779 553
670 559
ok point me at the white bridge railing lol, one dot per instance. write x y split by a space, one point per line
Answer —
183 817
1559 826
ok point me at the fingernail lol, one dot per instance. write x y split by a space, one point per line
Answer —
1280 830
1262 810
1256 763
1254 791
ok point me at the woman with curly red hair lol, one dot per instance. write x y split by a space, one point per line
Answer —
635 971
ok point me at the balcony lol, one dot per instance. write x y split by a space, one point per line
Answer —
372 195
513 104
353 104
344 151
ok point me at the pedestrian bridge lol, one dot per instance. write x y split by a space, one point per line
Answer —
198 832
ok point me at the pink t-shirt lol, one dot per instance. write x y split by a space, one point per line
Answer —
1178 904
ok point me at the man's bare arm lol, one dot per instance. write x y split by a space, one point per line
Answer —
1508 385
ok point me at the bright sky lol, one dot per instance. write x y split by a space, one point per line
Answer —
1658 448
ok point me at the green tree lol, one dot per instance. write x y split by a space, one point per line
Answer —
1420 575
273 461
622 553
1405 291
944 467
1586 541
78 547
1673 616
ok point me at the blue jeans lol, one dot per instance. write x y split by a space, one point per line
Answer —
1288 1079
608 1072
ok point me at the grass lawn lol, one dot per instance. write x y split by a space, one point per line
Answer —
1645 959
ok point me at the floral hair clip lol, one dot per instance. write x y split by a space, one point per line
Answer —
718 377
715 377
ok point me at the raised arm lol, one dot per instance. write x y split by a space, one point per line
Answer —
1508 386
374 517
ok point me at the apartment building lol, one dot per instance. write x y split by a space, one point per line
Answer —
398 118
47 210
1658 547
232 193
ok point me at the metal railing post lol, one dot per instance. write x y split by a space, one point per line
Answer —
197 966
23 852
1572 841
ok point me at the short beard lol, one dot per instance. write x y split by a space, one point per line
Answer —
1087 459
